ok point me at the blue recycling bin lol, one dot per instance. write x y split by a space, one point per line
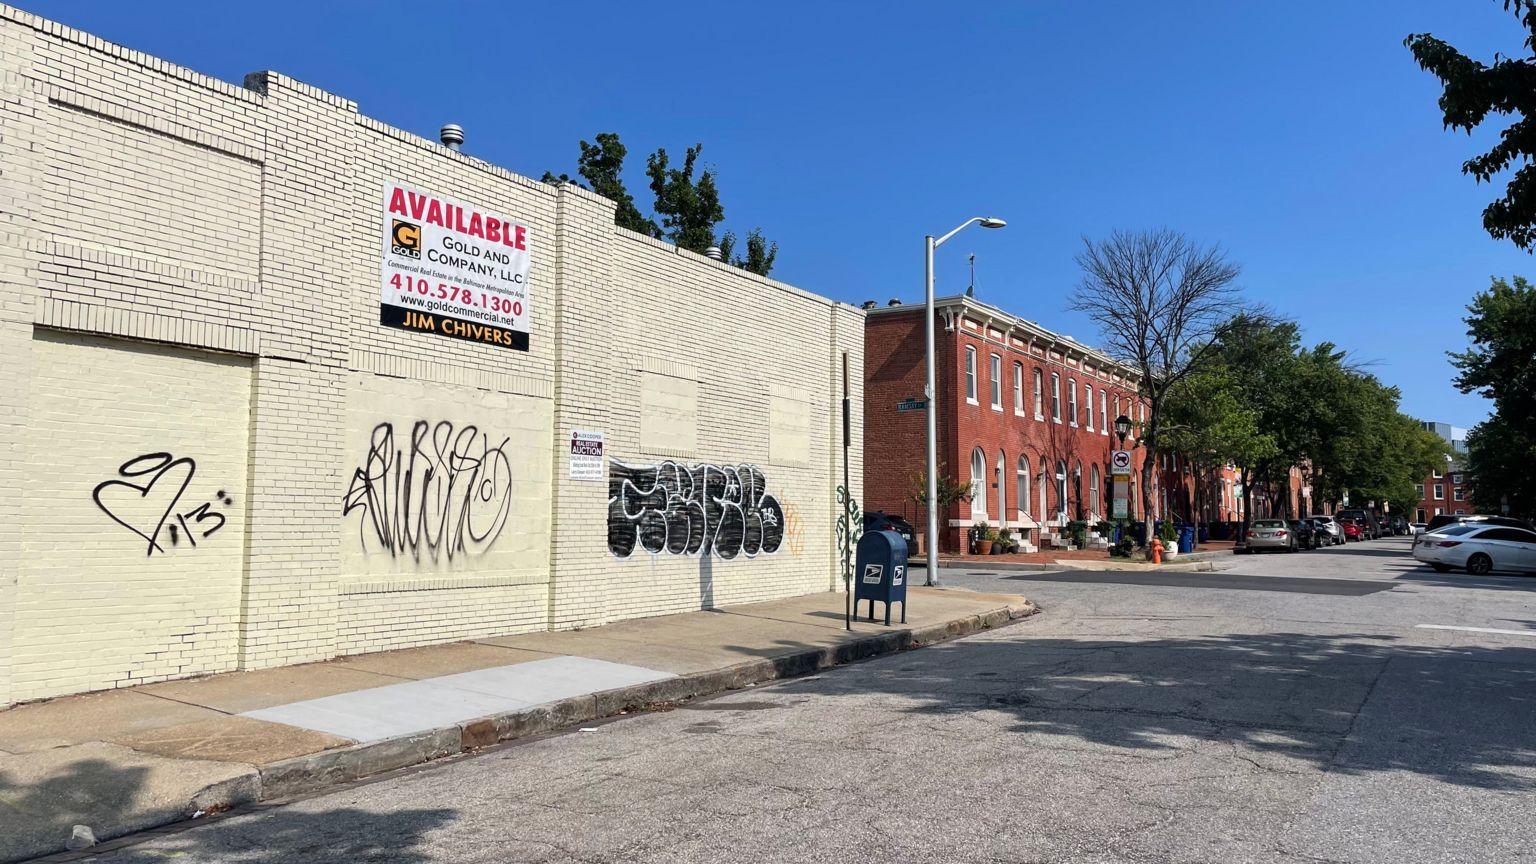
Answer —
1186 539
880 573
1205 532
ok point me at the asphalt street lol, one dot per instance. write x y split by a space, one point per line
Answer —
1336 706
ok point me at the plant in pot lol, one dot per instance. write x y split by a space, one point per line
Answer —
1170 537
981 539
1124 548
1003 542
1077 529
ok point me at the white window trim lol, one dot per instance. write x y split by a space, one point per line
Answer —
1056 396
1439 491
1018 389
1105 420
1088 392
1458 494
1039 378
1072 406
995 367
970 375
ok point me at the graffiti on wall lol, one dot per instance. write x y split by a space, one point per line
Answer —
680 509
442 492
145 498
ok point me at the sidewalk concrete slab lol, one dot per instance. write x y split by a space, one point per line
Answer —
231 739
91 717
435 660
418 706
238 692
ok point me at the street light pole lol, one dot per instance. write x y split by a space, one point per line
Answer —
930 390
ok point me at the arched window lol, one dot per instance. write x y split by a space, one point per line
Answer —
970 374
978 485
1088 392
1072 401
1042 483
1055 397
1039 396
1077 488
1061 489
1021 494
1018 388
1093 494
1002 487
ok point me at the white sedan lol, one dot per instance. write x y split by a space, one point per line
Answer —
1479 549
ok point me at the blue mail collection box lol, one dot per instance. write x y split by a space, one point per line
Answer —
880 572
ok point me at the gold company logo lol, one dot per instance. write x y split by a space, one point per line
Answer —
405 238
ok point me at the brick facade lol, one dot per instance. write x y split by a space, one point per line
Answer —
994 414
189 323
1448 491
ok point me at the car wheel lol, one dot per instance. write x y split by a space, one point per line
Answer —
1441 568
1479 565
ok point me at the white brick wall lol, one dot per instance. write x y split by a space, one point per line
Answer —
182 216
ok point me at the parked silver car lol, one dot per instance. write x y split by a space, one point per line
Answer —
1270 534
1330 528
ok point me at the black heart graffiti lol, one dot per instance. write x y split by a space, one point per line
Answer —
146 501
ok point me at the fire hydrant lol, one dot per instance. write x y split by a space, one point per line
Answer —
1157 550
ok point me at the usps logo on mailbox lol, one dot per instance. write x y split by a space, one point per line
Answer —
872 573
898 574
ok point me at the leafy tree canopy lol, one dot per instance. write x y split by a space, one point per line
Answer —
1472 91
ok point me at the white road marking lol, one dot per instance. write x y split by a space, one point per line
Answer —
1477 629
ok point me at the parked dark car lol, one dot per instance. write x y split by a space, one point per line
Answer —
1307 536
880 521
1368 527
1444 519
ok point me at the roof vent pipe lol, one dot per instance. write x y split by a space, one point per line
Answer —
894 301
452 136
714 253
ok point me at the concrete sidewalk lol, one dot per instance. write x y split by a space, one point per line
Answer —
125 760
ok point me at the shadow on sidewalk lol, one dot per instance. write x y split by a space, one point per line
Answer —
1354 704
44 813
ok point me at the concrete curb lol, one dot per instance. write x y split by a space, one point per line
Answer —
307 774
1023 566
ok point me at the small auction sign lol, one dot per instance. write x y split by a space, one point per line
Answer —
586 455
453 269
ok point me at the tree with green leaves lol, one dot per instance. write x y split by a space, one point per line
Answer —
601 164
688 206
1472 91
1500 365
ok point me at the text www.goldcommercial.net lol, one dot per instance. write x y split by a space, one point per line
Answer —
455 308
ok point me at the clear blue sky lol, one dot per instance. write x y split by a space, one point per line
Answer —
1299 135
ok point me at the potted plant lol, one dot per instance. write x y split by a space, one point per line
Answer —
1004 539
981 540
1077 529
1170 537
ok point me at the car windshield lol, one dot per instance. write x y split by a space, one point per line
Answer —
1269 523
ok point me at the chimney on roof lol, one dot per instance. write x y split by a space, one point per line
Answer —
893 302
868 304
452 136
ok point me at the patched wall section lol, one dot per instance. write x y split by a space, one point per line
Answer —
133 522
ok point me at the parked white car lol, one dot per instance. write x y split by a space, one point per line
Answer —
1331 527
1416 528
1479 549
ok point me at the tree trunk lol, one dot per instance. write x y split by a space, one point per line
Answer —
1148 467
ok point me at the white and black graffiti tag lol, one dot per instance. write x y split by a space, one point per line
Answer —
444 491
145 498
680 509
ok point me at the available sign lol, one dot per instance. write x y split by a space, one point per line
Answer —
453 269
586 455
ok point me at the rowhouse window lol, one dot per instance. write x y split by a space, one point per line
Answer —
1458 495
996 368
1018 388
970 374
1072 401
1093 491
1456 478
1022 494
1439 492
1418 488
978 485
1039 396
1088 392
1104 412
1055 397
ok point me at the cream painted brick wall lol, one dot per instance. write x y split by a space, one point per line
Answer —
97 606
155 205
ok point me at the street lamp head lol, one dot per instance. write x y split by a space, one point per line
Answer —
992 222
1122 427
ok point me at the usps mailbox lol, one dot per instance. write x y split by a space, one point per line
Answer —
880 572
